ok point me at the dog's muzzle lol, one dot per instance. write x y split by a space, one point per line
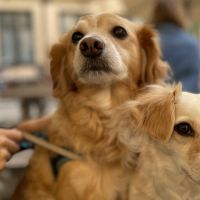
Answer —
92 49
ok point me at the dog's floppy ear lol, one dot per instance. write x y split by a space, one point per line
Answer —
58 71
157 106
153 68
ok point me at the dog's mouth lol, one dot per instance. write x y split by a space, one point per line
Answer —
103 69
95 66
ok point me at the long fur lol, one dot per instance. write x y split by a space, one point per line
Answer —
169 162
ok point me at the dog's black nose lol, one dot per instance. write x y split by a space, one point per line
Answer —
92 47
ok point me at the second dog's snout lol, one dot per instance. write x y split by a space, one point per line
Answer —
92 47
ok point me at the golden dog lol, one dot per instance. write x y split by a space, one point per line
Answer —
99 64
162 127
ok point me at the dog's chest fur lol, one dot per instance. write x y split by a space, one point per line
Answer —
78 122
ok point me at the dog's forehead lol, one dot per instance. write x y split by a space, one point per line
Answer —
188 105
100 20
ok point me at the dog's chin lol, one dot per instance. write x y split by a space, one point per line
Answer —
97 77
95 72
96 69
101 77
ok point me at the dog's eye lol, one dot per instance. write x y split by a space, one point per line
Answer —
184 129
119 32
76 37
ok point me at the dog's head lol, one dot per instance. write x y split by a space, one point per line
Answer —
171 118
104 49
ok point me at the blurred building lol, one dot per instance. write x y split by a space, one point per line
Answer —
29 27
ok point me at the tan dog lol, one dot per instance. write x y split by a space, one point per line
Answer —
98 65
165 133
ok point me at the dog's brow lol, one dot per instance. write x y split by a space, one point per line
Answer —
110 20
83 25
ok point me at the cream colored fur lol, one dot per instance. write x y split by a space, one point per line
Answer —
169 163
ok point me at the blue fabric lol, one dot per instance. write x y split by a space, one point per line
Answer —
181 51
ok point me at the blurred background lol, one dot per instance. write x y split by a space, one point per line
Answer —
28 28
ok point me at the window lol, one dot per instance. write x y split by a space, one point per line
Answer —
16 42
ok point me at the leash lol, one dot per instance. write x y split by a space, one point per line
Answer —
47 145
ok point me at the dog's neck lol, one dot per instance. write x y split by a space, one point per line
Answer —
81 115
160 177
106 96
